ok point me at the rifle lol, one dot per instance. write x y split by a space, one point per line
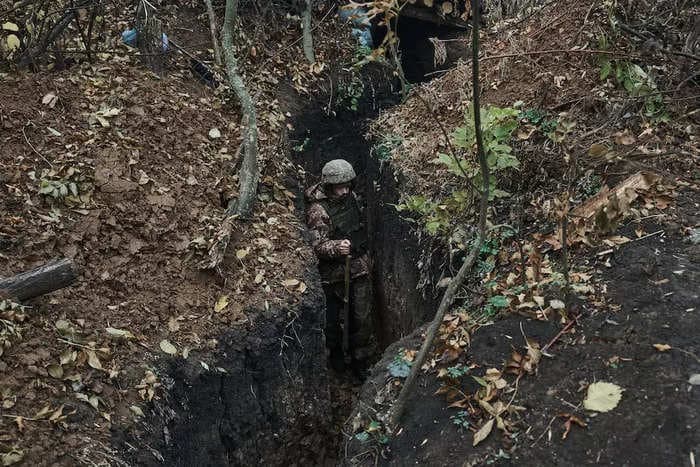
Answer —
346 312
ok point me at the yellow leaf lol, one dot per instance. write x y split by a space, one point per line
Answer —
10 26
167 347
221 303
602 396
12 42
290 282
483 432
242 253
662 347
55 371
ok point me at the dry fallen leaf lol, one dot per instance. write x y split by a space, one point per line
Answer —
602 396
662 347
119 333
221 303
483 432
93 361
55 371
173 324
167 347
136 410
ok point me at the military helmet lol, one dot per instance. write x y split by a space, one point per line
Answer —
336 172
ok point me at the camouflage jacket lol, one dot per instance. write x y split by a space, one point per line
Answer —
327 248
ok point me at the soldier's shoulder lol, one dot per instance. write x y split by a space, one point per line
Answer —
316 211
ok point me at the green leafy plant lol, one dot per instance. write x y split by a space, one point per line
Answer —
442 216
303 146
497 126
635 80
361 54
457 371
461 419
374 432
67 184
399 366
539 118
385 146
350 93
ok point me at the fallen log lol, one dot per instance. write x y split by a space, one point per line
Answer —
51 276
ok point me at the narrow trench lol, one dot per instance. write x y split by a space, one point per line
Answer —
398 305
267 408
322 138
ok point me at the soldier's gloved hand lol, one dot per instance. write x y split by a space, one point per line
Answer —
345 247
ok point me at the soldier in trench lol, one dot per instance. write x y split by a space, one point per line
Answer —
335 220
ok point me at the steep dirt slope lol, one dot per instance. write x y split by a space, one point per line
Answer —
632 287
123 365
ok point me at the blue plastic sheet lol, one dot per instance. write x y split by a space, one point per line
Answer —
360 25
130 35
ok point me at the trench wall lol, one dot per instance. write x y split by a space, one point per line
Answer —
257 402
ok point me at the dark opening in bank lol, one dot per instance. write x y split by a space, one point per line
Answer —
427 44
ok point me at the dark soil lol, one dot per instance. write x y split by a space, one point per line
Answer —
651 287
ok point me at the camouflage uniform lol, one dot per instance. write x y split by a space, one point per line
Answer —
330 221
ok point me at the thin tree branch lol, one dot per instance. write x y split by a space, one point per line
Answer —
249 173
448 298
212 28
308 41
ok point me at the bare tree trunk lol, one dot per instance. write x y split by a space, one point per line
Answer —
308 39
212 27
455 284
249 173
39 281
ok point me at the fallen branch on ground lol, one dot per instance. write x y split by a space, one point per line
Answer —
449 296
51 276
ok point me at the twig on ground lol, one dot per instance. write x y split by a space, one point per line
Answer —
549 425
34 149
568 326
523 19
687 352
585 21
648 235
561 51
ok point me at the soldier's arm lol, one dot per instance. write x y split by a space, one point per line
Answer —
320 226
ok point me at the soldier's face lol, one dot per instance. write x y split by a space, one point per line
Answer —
340 191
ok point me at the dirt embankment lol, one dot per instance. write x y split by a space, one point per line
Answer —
634 294
121 366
